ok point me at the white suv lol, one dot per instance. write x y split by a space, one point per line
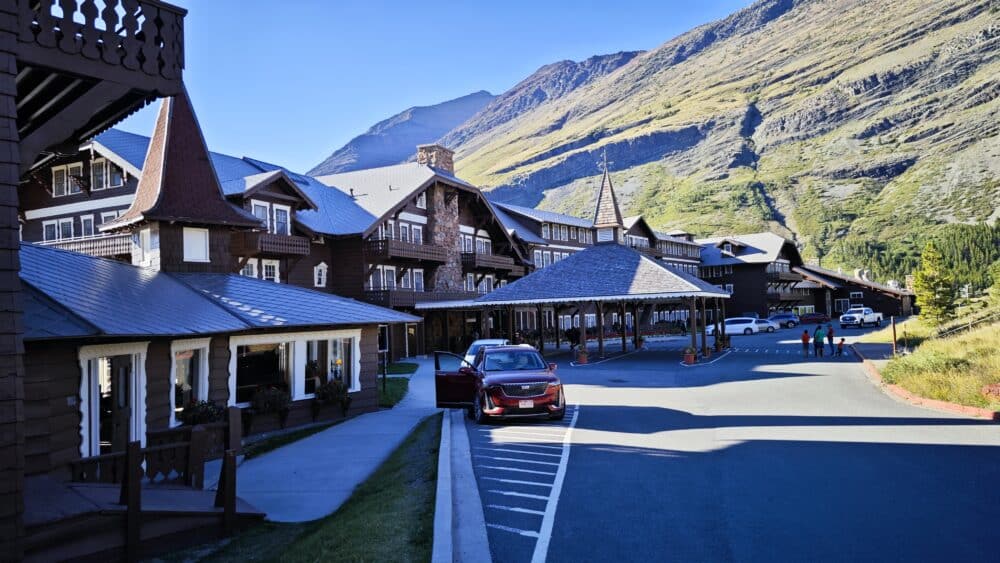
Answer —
737 325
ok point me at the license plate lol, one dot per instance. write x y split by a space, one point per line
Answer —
525 404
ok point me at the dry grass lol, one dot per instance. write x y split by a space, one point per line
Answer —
952 369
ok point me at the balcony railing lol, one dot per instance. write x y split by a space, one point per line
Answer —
255 243
102 246
784 277
477 261
139 35
409 298
773 295
650 251
384 249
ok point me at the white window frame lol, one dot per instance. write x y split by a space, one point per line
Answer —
298 342
107 216
417 234
404 232
83 228
545 231
275 207
388 277
320 274
72 228
54 223
191 243
277 269
418 273
202 345
254 204
421 201
857 295
537 255
252 264
90 442
564 231
405 281
99 163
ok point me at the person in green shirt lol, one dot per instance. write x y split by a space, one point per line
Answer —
818 338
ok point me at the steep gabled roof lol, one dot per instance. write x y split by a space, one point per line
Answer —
543 216
607 214
758 248
249 185
515 227
834 280
178 181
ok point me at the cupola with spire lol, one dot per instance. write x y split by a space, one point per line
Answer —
180 219
608 222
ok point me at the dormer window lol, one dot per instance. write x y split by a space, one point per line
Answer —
728 248
422 200
320 274
104 175
276 217
66 179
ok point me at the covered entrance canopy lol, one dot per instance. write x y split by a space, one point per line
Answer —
605 278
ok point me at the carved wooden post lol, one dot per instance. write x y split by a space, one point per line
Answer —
541 329
692 322
704 328
715 318
131 497
581 308
600 329
195 476
635 325
225 496
723 323
555 316
621 318
234 430
510 324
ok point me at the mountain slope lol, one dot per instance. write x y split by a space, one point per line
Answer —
856 126
395 140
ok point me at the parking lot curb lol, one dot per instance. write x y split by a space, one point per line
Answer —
443 546
871 370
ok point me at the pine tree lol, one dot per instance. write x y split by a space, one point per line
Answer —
935 286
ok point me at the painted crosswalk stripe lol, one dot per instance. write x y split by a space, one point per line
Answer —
508 450
514 469
527 533
541 551
517 494
519 482
524 445
515 509
515 460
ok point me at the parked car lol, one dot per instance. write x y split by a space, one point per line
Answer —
765 325
737 325
470 354
787 320
813 318
860 317
503 382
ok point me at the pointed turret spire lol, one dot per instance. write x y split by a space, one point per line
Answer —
178 183
607 213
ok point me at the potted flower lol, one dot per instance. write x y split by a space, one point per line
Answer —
201 412
581 356
272 400
640 343
689 355
334 392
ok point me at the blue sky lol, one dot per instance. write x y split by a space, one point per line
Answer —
290 82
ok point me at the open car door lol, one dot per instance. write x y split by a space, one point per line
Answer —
454 380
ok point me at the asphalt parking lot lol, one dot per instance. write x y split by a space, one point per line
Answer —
762 455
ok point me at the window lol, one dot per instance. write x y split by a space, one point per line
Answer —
405 281
564 230
728 287
389 277
249 269
260 366
262 212
329 360
484 246
66 179
98 174
537 258
556 256
319 275
195 245
390 230
728 268
418 234
418 280
108 216
546 258
50 230
190 375
468 243
58 181
87 225
572 233
116 177
66 228
857 296
727 248
270 271
841 305
404 232
281 220
545 231
422 200
470 282
375 279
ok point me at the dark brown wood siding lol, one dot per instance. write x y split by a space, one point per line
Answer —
51 406
172 251
348 270
158 385
300 271
218 370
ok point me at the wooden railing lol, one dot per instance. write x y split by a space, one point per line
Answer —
140 35
409 298
784 277
102 246
254 243
382 249
477 261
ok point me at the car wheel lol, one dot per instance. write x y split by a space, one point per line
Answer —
748 331
791 324
770 329
477 411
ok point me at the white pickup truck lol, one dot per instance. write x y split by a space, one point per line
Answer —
860 317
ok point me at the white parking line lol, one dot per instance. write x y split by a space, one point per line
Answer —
519 430
522 495
523 445
518 452
519 482
548 520
528 533
516 470
515 460
515 509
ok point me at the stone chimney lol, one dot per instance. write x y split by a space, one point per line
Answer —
436 156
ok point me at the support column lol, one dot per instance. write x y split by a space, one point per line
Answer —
692 318
510 324
723 322
704 328
621 317
555 317
635 325
541 329
447 330
600 329
582 344
715 315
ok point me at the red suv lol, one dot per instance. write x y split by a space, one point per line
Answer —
502 382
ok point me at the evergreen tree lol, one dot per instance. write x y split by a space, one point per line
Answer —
995 289
935 286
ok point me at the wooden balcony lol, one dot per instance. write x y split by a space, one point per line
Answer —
409 298
385 249
257 243
784 296
784 277
84 65
477 261
102 246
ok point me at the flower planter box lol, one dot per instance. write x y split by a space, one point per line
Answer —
689 359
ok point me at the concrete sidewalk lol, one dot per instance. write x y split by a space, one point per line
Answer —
311 478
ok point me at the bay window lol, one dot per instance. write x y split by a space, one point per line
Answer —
260 366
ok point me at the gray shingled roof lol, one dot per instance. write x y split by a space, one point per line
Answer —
824 275
371 186
514 226
602 272
761 248
106 298
545 216
261 303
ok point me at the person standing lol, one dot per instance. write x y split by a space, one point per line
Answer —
805 343
829 337
818 337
